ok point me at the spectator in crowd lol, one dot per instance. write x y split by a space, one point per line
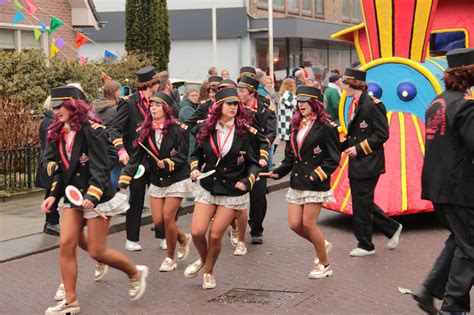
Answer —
286 108
225 74
189 104
212 72
309 82
164 77
261 77
167 88
203 91
332 96
106 109
299 77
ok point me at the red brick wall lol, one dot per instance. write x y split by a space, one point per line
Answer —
59 8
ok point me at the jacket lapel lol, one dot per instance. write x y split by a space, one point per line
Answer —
152 144
76 152
310 137
357 111
236 145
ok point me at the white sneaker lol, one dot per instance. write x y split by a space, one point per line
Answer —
138 286
100 271
240 249
234 236
328 250
168 265
320 272
63 308
192 270
393 242
208 281
183 249
60 293
163 244
132 246
359 252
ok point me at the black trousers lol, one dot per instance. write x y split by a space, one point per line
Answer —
366 213
258 207
53 216
134 214
452 276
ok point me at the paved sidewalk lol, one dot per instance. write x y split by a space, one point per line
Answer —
359 286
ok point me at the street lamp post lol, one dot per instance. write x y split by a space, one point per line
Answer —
270 39
214 33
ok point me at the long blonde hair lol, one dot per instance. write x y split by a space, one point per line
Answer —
288 85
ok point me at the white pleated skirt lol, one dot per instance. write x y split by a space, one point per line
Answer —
300 197
181 189
118 204
231 202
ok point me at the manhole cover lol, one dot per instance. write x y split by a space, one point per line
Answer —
253 296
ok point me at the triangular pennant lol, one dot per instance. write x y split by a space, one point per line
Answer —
59 42
106 77
18 17
109 56
54 50
37 33
82 60
55 24
43 27
80 40
18 5
31 7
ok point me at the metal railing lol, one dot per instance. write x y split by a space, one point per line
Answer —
18 167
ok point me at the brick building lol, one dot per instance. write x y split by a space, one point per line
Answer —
74 13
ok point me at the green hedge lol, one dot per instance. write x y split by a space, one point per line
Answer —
26 77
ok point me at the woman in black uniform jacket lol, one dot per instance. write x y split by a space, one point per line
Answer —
222 145
311 155
167 140
78 152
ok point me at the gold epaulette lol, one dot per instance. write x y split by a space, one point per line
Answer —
181 125
204 102
376 100
95 125
331 123
125 98
468 97
251 129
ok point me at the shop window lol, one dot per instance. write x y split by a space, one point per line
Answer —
351 11
306 7
442 42
293 6
319 8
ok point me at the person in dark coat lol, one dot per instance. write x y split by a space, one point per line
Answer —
189 104
51 226
364 144
124 129
448 181
204 107
311 155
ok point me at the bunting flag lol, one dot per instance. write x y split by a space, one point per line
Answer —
109 56
59 42
82 60
80 40
54 50
2 1
43 27
55 24
18 17
37 33
18 5
31 7
106 77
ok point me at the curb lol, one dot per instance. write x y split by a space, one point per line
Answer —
39 243
23 194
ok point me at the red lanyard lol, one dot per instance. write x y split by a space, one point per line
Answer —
155 149
300 143
216 151
143 101
68 148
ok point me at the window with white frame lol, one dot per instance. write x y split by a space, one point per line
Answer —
20 38
319 8
351 11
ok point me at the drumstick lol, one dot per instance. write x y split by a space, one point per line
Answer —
264 174
149 152
100 213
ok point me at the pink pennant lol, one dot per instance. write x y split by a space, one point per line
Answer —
31 7
82 60
59 42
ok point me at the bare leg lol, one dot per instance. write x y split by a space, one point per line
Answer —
97 247
156 205
310 216
295 220
222 220
71 229
201 218
172 233
242 219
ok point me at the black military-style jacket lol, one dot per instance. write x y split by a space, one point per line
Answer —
173 151
367 131
200 114
448 170
317 157
88 167
238 165
123 129
265 122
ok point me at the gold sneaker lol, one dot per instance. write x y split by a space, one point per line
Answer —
240 249
138 286
320 272
168 265
208 281
100 271
183 249
192 270
63 308
60 293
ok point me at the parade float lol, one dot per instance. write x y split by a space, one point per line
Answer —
401 45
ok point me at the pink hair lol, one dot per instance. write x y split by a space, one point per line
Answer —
241 119
80 114
318 109
146 125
